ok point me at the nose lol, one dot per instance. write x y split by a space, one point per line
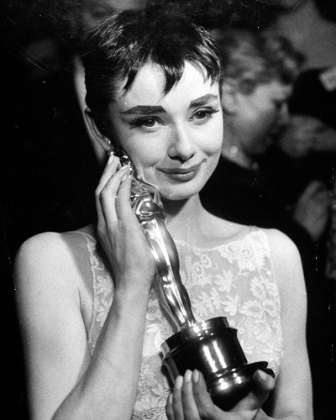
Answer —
182 145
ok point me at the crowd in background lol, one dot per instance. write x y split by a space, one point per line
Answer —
283 178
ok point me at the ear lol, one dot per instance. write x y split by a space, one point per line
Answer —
229 96
95 133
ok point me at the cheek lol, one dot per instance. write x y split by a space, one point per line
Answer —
144 155
213 138
213 146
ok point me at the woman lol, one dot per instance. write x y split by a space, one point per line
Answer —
91 321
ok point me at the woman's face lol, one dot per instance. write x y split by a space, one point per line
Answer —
260 115
174 140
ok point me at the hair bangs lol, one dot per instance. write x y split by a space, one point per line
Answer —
118 48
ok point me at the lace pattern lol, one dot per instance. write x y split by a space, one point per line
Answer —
234 280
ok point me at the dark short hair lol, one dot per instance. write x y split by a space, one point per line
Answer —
122 44
253 58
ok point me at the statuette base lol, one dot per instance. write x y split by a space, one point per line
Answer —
212 348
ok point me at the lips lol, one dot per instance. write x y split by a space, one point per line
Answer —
181 174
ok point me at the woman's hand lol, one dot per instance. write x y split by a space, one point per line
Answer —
190 399
119 231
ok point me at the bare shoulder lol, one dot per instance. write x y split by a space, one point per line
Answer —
280 244
43 245
284 252
44 251
287 265
48 262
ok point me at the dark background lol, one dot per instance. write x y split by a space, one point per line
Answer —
25 211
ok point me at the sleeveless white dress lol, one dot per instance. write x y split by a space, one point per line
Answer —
235 280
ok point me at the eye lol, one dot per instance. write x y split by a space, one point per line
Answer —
147 123
150 122
203 115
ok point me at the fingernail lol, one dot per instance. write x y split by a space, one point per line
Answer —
187 375
262 375
179 382
110 159
195 376
125 169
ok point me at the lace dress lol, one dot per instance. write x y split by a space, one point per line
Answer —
234 280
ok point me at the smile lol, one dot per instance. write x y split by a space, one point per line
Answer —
181 174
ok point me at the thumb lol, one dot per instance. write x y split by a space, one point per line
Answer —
264 384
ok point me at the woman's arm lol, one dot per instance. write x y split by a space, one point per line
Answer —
292 389
64 381
293 393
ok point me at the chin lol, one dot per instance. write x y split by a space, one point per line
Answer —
175 195
180 193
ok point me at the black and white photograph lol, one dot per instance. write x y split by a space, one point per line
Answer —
168 209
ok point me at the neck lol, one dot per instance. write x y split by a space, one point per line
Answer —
184 218
232 150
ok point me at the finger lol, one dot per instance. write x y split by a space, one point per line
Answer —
189 405
109 170
177 399
169 408
123 207
264 385
109 193
205 406
125 215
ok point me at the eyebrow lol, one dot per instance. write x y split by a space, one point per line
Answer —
144 110
149 110
203 100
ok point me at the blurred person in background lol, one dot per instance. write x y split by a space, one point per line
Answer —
307 150
259 72
258 75
310 139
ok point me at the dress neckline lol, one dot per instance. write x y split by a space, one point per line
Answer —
183 243
225 243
